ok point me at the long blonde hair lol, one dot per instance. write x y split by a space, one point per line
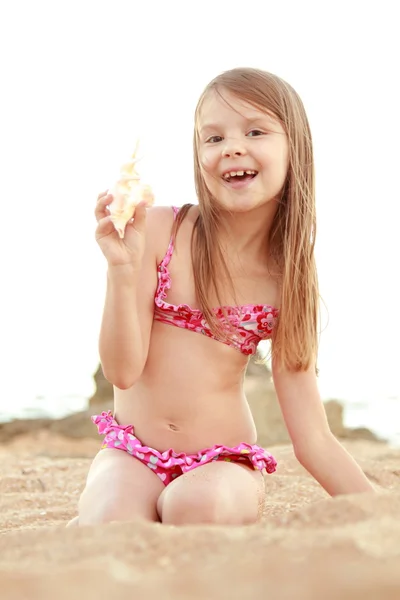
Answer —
292 234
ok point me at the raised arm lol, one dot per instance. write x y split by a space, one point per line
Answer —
129 306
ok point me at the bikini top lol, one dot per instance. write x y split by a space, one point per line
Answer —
252 322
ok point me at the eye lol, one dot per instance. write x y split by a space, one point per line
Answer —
255 133
213 139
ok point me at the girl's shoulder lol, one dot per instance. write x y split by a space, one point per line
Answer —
160 223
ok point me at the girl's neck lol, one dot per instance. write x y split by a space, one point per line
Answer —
246 234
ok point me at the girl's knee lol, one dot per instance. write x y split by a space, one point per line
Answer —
119 488
206 507
97 511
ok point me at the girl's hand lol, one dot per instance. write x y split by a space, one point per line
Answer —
130 249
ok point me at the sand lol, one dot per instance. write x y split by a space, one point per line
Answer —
308 545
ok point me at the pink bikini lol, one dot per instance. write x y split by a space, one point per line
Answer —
170 464
252 323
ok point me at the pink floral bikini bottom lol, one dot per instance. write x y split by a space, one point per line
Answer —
170 464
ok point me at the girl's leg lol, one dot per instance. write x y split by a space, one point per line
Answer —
118 488
219 492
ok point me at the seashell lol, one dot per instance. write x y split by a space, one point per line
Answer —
128 192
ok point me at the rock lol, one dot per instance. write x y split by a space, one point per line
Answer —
79 425
334 413
104 390
257 370
271 428
260 392
361 433
21 426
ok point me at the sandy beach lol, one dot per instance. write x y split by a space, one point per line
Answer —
308 546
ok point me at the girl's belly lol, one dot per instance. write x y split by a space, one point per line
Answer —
186 421
176 404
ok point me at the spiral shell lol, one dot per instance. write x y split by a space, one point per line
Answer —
128 192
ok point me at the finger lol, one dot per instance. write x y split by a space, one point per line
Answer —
101 207
105 227
102 194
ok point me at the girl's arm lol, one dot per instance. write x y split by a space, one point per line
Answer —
129 308
315 447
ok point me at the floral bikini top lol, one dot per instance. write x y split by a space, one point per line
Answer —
252 323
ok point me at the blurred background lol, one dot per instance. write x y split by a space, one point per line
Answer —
81 81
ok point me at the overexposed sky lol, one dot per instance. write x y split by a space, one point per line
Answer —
81 80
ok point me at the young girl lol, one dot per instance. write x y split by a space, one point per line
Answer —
190 293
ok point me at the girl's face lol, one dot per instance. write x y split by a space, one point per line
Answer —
243 153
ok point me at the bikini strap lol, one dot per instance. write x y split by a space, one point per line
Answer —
168 255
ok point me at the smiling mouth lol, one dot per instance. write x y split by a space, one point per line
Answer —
236 176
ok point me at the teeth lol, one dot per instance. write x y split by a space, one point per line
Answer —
239 173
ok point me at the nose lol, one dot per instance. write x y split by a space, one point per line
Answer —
233 147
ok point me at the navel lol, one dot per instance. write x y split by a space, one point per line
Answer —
173 427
